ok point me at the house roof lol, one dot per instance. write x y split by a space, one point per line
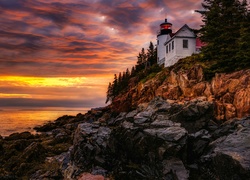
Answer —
173 35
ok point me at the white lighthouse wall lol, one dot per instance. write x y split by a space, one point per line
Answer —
161 48
170 48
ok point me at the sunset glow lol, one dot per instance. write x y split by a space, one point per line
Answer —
63 54
44 81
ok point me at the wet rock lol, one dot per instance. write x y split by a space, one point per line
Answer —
130 115
194 115
233 154
89 176
22 135
175 169
227 157
90 146
172 134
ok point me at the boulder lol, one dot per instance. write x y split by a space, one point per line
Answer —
90 146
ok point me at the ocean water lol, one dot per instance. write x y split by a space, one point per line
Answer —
12 121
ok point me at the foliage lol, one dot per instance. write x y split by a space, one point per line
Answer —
226 34
146 64
150 76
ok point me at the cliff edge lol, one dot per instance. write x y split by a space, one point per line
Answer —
230 93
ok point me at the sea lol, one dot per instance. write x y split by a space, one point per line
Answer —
12 121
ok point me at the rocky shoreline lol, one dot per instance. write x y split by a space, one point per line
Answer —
162 139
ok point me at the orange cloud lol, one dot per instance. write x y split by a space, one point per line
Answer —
68 50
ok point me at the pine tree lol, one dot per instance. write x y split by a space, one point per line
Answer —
151 55
115 86
221 30
133 71
243 54
141 59
109 93
127 74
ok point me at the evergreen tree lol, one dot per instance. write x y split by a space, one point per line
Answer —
119 82
151 55
221 30
127 74
109 93
243 54
141 59
115 86
133 71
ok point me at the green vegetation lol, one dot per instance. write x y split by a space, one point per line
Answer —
145 69
150 76
226 32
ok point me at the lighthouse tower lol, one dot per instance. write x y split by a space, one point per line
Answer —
162 37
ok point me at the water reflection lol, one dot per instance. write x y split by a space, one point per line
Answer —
19 121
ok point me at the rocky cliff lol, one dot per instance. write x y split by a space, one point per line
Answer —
174 126
162 140
230 93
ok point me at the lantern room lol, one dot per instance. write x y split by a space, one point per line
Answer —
165 28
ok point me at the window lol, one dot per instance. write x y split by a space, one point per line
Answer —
172 45
166 49
169 47
158 42
185 43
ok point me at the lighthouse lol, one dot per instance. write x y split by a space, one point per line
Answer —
162 37
173 46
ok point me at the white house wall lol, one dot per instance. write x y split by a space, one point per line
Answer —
179 52
184 52
185 32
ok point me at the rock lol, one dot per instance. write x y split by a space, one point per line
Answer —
175 169
88 176
90 146
46 127
131 115
228 92
172 134
22 135
228 157
163 123
34 152
194 115
142 117
237 147
242 102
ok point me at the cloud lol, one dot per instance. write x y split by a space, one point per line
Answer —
78 38
34 103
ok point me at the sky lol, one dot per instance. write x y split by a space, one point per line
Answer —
61 54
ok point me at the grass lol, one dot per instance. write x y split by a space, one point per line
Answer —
150 76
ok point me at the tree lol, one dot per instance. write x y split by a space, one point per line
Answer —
133 71
146 64
222 20
151 55
141 59
115 86
109 93
243 53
